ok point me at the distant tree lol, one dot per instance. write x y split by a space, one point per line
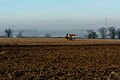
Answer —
20 34
94 35
91 34
8 33
88 35
112 32
48 35
118 33
103 32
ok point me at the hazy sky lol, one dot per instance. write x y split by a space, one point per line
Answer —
58 14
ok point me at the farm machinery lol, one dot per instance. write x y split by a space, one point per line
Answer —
70 37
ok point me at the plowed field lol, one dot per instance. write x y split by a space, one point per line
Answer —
58 59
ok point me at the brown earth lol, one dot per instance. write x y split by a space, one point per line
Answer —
58 59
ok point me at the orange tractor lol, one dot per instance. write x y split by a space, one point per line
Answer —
70 36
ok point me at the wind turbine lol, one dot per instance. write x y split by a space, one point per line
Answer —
105 22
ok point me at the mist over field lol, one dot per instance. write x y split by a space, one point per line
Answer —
53 33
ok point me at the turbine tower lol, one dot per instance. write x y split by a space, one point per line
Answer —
105 22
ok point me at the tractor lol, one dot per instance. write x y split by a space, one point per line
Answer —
70 37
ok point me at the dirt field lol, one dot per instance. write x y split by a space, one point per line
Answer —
58 59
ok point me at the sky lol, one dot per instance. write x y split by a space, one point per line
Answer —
59 14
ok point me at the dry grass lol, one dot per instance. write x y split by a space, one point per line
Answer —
56 41
59 62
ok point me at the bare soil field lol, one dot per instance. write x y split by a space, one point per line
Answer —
58 59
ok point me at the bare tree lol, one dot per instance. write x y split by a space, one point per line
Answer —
103 32
47 35
112 32
94 35
20 34
8 32
88 35
118 33
91 34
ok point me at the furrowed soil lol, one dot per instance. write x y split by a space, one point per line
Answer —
58 59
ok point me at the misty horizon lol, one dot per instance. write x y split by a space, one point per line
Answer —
62 25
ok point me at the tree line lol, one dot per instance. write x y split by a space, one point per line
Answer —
104 33
9 34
